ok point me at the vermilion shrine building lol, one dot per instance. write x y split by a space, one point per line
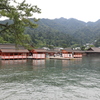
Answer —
9 51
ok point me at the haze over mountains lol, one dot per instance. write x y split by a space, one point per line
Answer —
63 31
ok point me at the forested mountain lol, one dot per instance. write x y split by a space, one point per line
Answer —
80 32
97 42
61 32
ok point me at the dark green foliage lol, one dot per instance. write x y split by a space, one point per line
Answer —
44 36
83 48
97 43
61 32
19 20
64 32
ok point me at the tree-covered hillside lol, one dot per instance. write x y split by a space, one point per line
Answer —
97 42
80 32
60 32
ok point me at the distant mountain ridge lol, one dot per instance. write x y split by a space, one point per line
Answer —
77 28
63 25
63 31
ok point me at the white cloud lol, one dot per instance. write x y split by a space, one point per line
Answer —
85 10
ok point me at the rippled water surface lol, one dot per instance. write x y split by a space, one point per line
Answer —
50 79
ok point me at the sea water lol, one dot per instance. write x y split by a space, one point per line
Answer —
50 79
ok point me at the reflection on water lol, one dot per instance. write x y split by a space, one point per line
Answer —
75 62
11 62
38 64
77 79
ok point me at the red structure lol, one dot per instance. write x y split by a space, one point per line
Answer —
8 51
67 54
78 55
38 53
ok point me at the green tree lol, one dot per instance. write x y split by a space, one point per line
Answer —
19 14
97 43
82 48
2 40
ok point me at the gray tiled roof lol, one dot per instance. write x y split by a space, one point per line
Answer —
93 49
14 51
11 48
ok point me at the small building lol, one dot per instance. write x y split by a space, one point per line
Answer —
46 48
58 48
67 53
77 48
53 53
38 54
9 51
78 54
93 50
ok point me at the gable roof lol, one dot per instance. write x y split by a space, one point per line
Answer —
93 49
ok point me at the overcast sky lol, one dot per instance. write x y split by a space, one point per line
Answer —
85 10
